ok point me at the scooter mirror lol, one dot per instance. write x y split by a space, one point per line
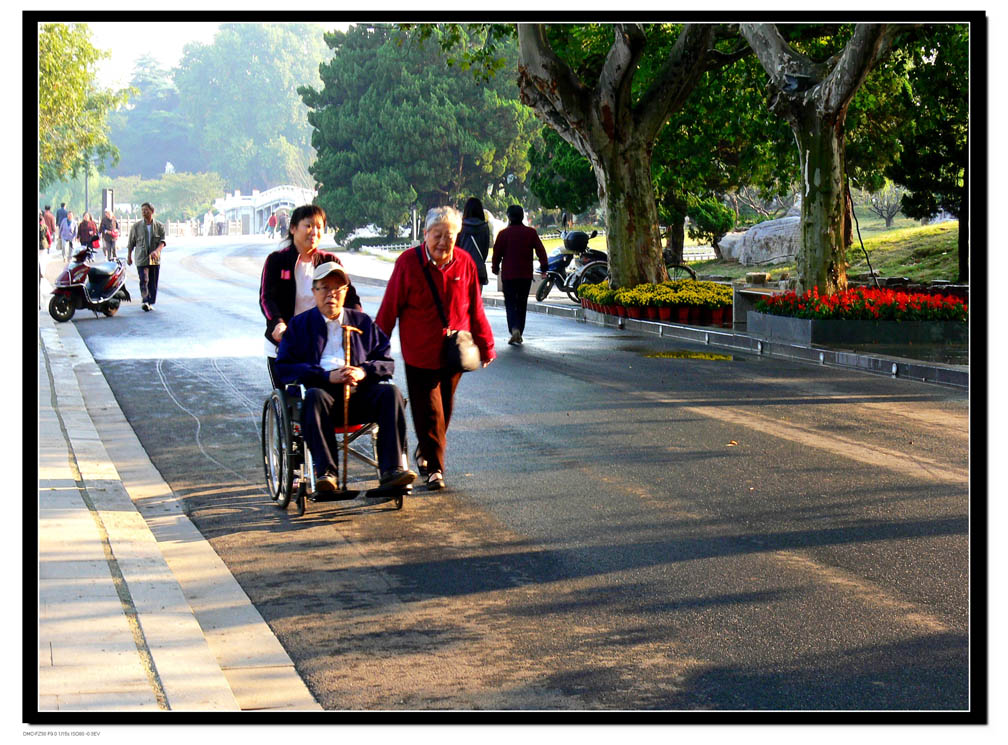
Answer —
594 233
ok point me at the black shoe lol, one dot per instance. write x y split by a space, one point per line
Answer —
435 481
421 462
145 306
397 477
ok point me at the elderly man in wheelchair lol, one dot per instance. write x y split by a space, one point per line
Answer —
341 361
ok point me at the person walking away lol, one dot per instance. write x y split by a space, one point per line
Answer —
87 231
50 221
109 230
61 214
282 222
147 236
67 233
409 301
271 224
474 237
512 260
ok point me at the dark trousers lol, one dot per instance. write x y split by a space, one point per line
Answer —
381 403
516 292
148 282
431 397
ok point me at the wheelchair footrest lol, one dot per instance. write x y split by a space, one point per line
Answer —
334 496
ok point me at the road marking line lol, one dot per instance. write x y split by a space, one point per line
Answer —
874 455
864 590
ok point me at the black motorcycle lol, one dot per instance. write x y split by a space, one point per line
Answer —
590 265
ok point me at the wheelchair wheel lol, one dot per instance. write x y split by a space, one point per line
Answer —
277 449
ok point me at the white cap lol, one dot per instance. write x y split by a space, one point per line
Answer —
324 270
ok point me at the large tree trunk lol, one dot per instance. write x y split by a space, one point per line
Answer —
633 236
613 132
822 262
813 97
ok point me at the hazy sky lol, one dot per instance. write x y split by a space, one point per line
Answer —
128 41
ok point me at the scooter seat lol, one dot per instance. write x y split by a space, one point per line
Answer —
101 272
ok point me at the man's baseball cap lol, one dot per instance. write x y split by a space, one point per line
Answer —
324 270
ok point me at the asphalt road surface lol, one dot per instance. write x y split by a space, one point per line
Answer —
631 522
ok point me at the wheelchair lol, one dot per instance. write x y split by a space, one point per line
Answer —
287 460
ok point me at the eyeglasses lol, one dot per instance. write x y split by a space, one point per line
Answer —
331 290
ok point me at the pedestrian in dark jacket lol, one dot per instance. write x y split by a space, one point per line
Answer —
512 259
474 237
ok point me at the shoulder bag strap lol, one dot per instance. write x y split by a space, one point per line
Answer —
433 287
479 250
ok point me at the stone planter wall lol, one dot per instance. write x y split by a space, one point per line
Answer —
814 331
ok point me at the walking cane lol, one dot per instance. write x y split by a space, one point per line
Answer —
346 400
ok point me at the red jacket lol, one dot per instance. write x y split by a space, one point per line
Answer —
514 245
408 300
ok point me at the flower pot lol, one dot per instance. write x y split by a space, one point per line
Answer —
694 315
728 320
682 313
652 313
717 316
665 313
634 312
621 311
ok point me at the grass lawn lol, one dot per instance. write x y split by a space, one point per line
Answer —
908 249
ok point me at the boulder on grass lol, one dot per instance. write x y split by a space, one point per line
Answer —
771 242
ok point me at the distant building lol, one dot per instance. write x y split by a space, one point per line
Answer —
252 211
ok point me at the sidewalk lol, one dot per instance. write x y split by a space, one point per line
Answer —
136 610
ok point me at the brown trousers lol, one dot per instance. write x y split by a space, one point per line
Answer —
431 397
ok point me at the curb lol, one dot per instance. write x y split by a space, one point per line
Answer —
204 644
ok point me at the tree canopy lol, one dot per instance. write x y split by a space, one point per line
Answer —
559 176
395 128
152 130
934 136
72 110
239 96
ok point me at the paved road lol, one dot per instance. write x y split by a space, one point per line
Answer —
633 522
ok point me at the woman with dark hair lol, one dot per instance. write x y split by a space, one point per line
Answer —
475 236
285 289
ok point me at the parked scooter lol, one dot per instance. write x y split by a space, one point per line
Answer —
83 283
590 265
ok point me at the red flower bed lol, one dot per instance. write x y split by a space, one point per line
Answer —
866 304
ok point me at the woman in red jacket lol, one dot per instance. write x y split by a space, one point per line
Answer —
409 301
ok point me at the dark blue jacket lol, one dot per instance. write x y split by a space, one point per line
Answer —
302 345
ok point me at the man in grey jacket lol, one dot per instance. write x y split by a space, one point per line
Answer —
148 238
